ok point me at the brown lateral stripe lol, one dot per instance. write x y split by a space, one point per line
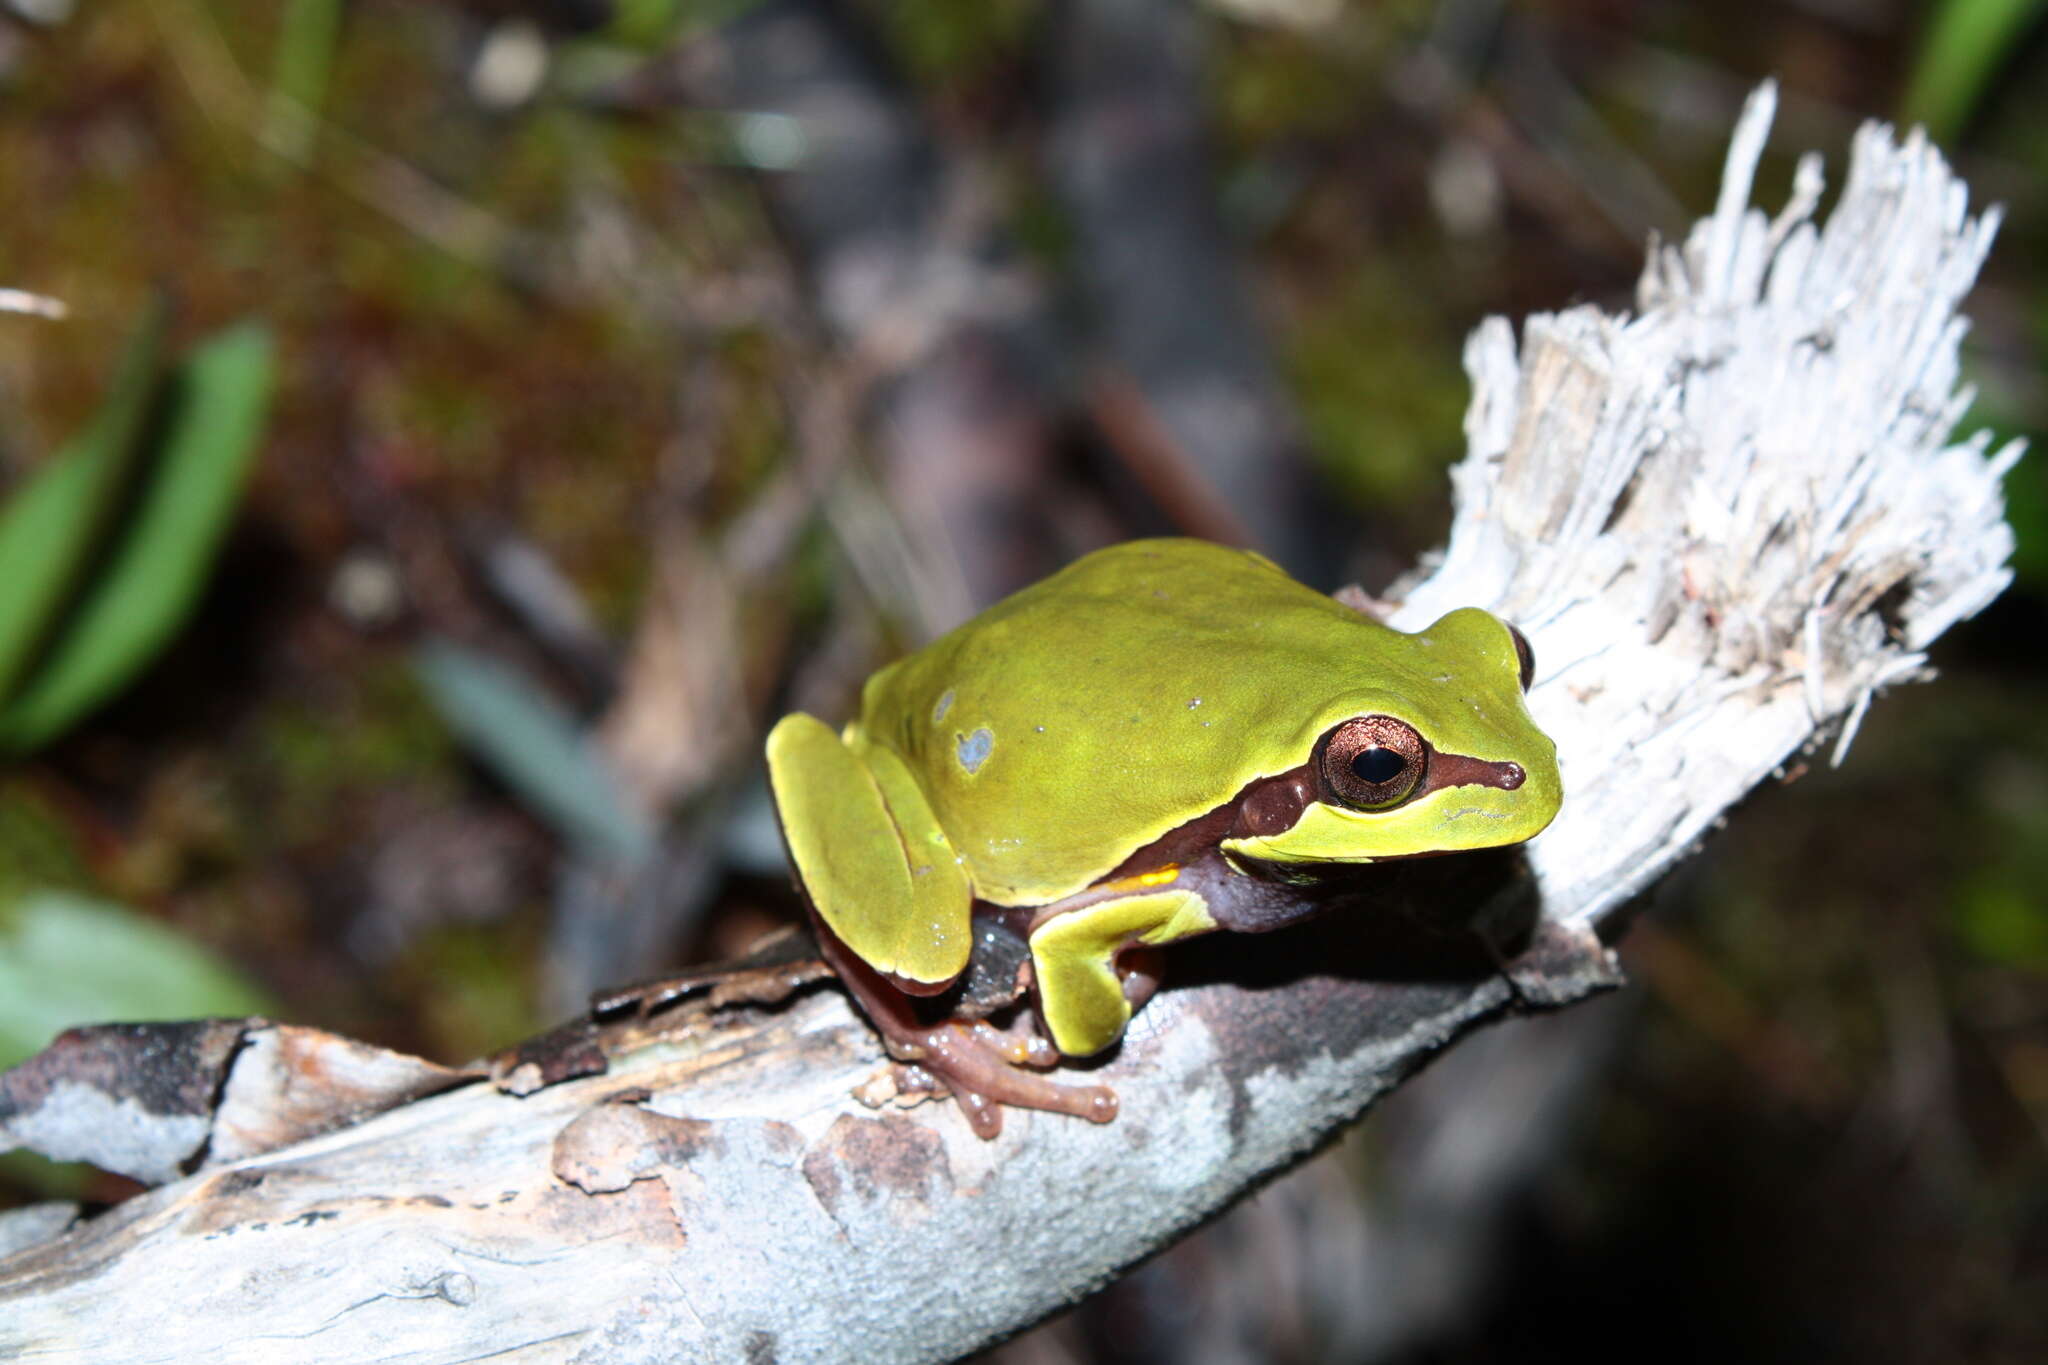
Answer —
1272 805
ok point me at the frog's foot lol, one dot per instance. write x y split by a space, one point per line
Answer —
983 1066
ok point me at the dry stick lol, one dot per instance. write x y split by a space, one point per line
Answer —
1726 522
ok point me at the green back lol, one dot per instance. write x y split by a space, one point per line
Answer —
1146 684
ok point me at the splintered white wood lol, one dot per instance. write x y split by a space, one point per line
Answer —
1725 521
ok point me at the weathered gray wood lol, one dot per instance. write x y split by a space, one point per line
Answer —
1725 523
1728 521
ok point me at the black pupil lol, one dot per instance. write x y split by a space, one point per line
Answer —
1377 765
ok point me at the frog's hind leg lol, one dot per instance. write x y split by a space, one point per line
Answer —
980 1064
894 909
870 854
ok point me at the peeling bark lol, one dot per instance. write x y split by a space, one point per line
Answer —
152 1101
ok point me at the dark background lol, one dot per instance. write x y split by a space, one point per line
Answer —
681 364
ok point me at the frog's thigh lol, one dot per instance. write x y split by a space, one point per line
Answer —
870 853
1074 957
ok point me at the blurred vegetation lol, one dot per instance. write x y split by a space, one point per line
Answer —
1965 44
104 550
285 739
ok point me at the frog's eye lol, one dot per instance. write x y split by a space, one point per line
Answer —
1374 761
1526 655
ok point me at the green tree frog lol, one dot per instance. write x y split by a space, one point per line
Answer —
1166 738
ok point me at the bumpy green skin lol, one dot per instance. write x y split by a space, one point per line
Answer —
1150 682
1026 755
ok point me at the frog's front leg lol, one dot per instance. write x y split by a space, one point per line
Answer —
1093 964
876 867
1085 994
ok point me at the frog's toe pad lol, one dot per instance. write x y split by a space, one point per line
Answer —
975 1062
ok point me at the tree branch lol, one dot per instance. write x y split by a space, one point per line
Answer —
1725 523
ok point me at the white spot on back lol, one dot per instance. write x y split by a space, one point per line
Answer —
974 749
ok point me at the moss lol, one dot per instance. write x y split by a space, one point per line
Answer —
1380 388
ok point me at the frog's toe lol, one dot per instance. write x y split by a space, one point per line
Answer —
982 1066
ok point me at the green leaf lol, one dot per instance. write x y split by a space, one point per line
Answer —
1966 43
535 747
213 413
50 527
67 959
